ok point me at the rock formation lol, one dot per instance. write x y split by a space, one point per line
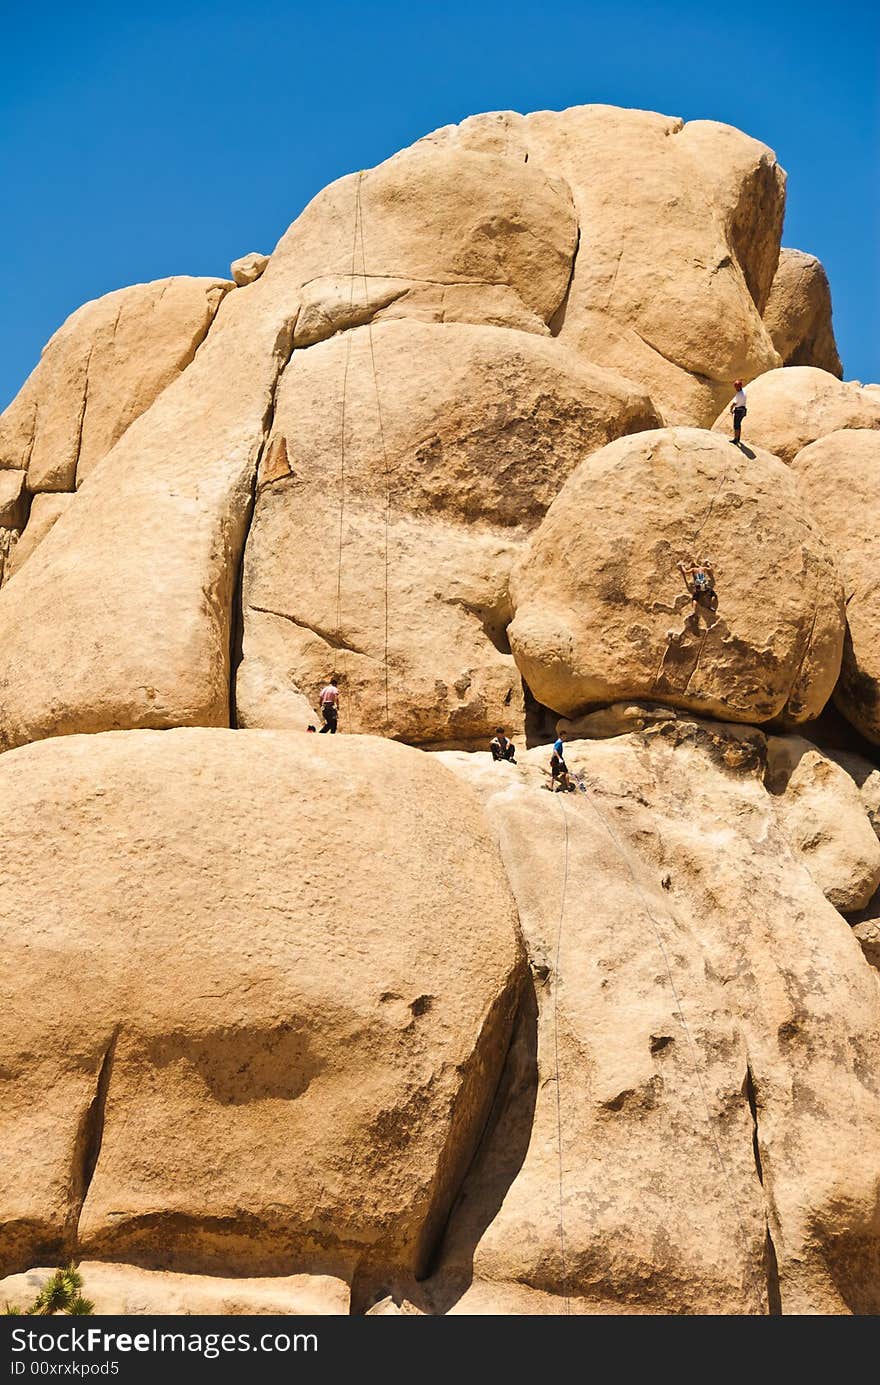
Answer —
327 1026
790 408
798 313
602 612
840 478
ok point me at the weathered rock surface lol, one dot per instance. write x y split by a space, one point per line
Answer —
702 1019
866 776
13 499
127 1290
248 268
46 508
601 610
435 233
385 555
247 1031
840 479
680 230
798 313
790 408
102 369
822 814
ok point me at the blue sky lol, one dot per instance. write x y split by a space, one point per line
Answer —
140 141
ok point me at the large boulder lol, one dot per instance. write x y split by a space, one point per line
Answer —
680 231
824 818
840 479
384 552
798 313
259 1004
441 234
46 507
689 1119
790 408
602 614
102 369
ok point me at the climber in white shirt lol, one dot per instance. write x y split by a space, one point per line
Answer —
738 409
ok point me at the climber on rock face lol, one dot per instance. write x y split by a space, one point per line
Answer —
559 780
738 410
501 747
330 707
699 579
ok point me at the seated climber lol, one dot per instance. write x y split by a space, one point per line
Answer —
559 780
502 748
330 707
738 410
700 582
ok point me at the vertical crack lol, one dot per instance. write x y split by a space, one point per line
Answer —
88 1145
284 349
771 1264
82 417
558 319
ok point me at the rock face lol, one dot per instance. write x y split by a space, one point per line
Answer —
700 1017
840 478
798 313
601 609
100 371
681 322
219 1063
385 552
46 508
790 408
822 814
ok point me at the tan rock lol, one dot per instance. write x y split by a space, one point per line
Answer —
249 268
867 779
680 230
867 933
602 614
218 1063
697 1054
822 815
840 479
101 370
465 236
13 499
790 408
127 1290
46 508
465 433
126 617
798 313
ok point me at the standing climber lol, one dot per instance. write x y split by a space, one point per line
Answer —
330 707
699 579
502 748
738 409
559 780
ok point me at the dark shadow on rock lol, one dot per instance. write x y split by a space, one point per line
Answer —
498 1160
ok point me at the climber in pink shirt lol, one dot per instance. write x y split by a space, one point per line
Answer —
330 707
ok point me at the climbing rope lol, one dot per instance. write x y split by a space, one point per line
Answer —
691 547
387 482
556 979
680 1013
339 643
358 236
